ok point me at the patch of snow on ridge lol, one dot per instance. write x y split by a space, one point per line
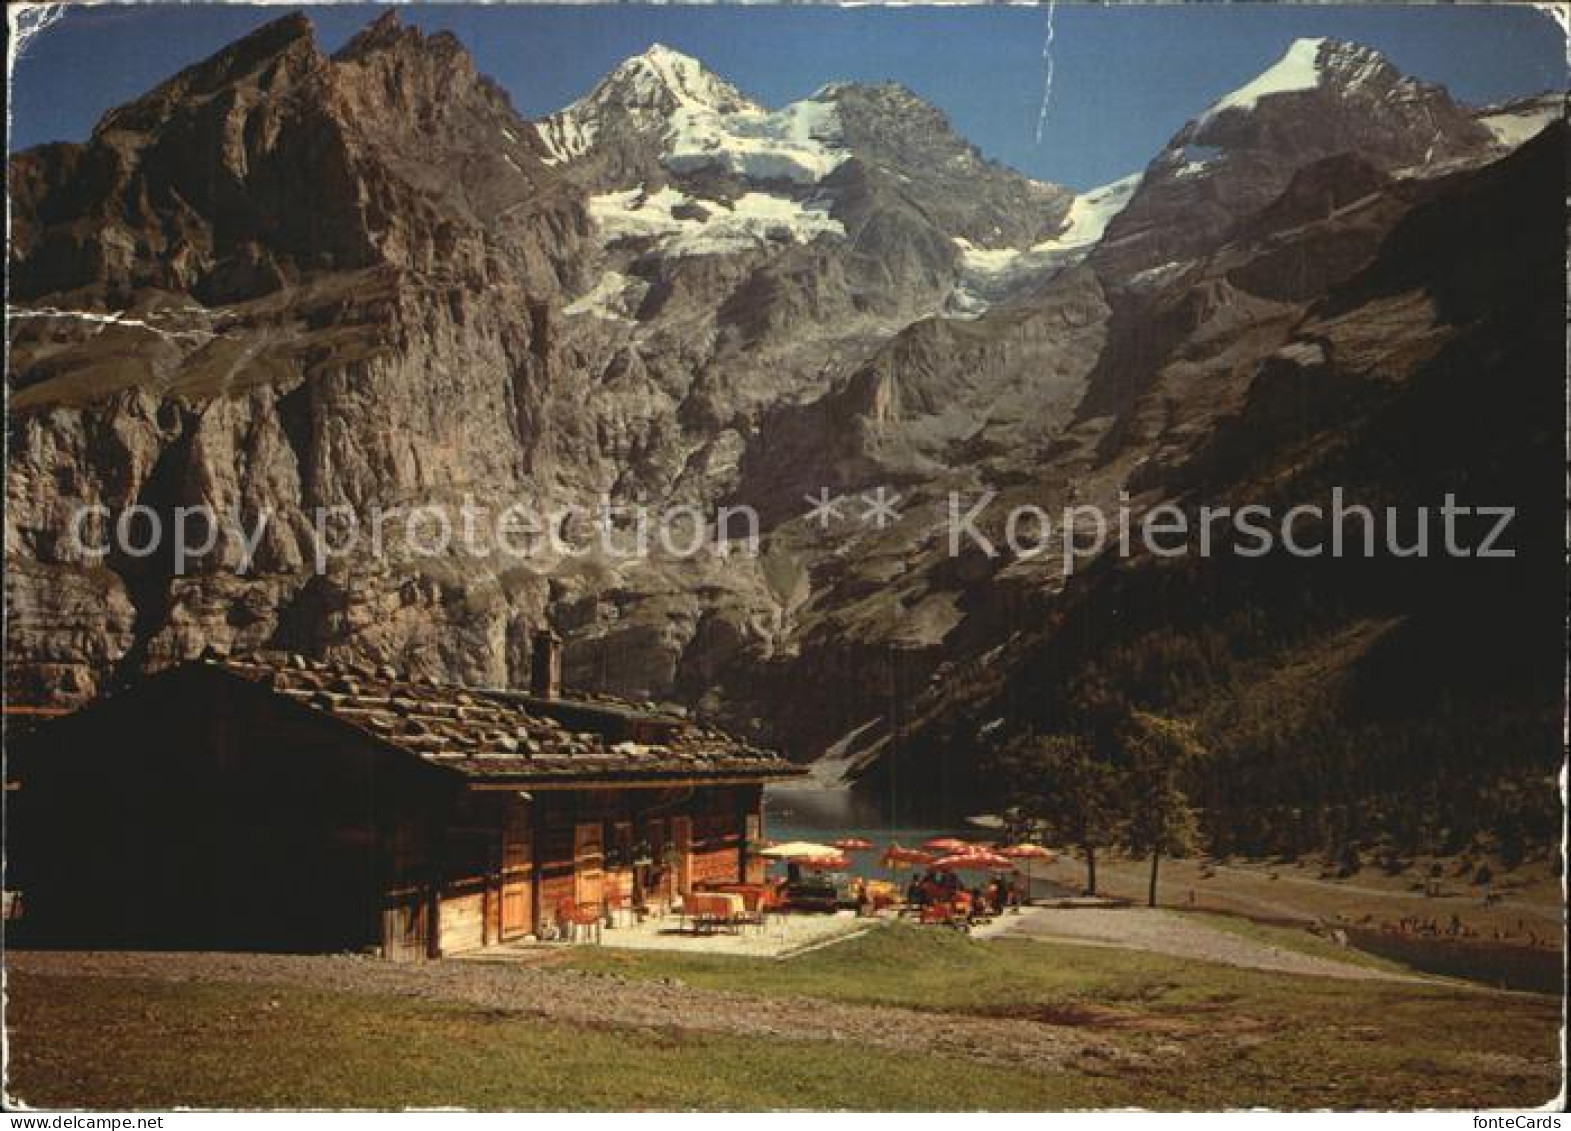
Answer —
1160 274
800 143
612 298
1298 69
1192 160
634 214
680 225
1093 211
753 219
988 275
566 136
1513 126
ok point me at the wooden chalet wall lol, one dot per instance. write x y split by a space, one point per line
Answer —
585 840
203 811
200 810
718 831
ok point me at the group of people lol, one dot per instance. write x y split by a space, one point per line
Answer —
994 898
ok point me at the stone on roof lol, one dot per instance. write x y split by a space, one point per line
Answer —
498 734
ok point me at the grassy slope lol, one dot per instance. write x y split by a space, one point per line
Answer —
117 1044
1211 1036
1218 1036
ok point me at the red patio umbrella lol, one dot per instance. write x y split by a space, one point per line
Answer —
974 862
798 850
895 857
835 862
1026 854
948 844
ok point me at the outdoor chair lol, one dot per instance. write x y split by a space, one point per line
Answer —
756 902
574 919
880 901
942 914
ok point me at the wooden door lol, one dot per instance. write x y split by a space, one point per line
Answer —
517 879
588 863
682 843
405 930
406 907
493 914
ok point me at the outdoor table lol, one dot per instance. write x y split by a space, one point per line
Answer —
710 909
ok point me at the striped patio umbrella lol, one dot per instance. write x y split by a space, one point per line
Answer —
948 845
799 850
1025 855
974 862
897 857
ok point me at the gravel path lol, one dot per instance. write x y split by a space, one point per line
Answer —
1164 932
581 998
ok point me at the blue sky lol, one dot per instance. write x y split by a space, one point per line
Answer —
1126 77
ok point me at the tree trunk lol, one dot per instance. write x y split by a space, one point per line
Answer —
1156 858
1090 851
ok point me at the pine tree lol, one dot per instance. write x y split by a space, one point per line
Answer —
1160 819
1060 782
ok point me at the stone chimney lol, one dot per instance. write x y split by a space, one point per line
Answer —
545 666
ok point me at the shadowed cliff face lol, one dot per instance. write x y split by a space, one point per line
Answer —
1324 98
279 282
283 281
1397 699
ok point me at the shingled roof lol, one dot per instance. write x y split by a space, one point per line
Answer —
500 736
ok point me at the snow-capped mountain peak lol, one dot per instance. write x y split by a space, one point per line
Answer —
662 76
1326 94
1321 98
694 119
1348 70
641 95
1297 69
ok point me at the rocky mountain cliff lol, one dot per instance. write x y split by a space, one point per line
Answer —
277 282
1391 701
1321 99
285 282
